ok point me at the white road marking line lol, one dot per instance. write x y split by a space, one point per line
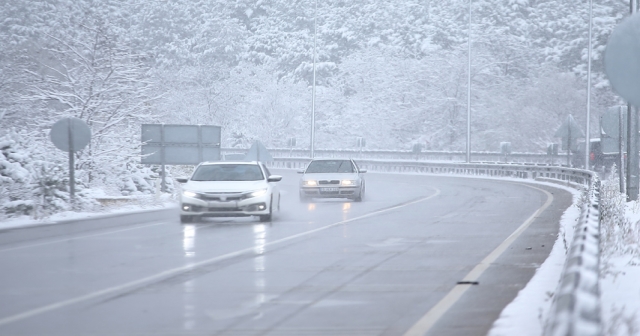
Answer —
79 237
427 321
182 269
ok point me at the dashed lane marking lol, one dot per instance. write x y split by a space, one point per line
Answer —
191 267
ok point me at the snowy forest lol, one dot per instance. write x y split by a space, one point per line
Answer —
393 72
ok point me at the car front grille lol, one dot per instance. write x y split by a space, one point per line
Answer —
329 182
221 197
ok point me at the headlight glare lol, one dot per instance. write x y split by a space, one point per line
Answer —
310 183
257 193
348 182
189 193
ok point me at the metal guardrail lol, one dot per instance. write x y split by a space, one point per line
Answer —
479 169
450 156
576 306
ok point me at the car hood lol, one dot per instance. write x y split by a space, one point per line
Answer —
224 186
330 176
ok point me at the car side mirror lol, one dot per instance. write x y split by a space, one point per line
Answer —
182 179
362 171
274 178
301 171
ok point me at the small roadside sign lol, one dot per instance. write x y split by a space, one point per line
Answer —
258 152
70 135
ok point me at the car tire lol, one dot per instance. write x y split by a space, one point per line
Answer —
304 199
267 217
360 196
186 219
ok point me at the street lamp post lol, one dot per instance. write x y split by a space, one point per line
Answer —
632 139
469 90
313 90
586 137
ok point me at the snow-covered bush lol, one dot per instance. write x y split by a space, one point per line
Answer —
50 192
32 186
143 180
619 236
14 177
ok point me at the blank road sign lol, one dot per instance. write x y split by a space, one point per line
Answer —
180 144
621 62
70 132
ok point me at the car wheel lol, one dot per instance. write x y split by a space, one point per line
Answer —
267 217
360 196
186 219
304 199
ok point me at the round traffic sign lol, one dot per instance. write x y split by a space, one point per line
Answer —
621 61
70 134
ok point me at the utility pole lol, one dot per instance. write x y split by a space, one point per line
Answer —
633 162
313 90
469 90
587 142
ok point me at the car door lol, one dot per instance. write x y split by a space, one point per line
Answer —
360 175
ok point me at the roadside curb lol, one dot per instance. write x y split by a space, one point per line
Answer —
90 216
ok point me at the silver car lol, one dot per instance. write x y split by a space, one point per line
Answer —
332 178
229 189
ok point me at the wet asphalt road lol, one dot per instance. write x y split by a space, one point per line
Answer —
330 267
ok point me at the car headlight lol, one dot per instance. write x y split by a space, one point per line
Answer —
310 183
348 182
256 193
189 193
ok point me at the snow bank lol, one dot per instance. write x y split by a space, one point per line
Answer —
527 313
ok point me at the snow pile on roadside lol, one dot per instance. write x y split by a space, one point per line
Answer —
527 313
620 261
34 182
619 271
120 205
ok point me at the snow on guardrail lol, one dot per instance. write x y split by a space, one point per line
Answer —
425 155
576 306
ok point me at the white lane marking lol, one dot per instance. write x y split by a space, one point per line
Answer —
182 269
79 237
434 314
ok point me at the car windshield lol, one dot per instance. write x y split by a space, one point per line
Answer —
228 172
330 166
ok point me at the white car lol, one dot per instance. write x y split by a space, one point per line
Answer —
332 178
229 189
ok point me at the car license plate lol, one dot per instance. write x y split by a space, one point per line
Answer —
328 189
223 204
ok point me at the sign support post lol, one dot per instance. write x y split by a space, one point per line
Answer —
72 177
70 135
569 145
163 173
632 153
621 148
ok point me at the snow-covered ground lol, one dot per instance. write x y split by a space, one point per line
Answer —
134 204
620 274
527 313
